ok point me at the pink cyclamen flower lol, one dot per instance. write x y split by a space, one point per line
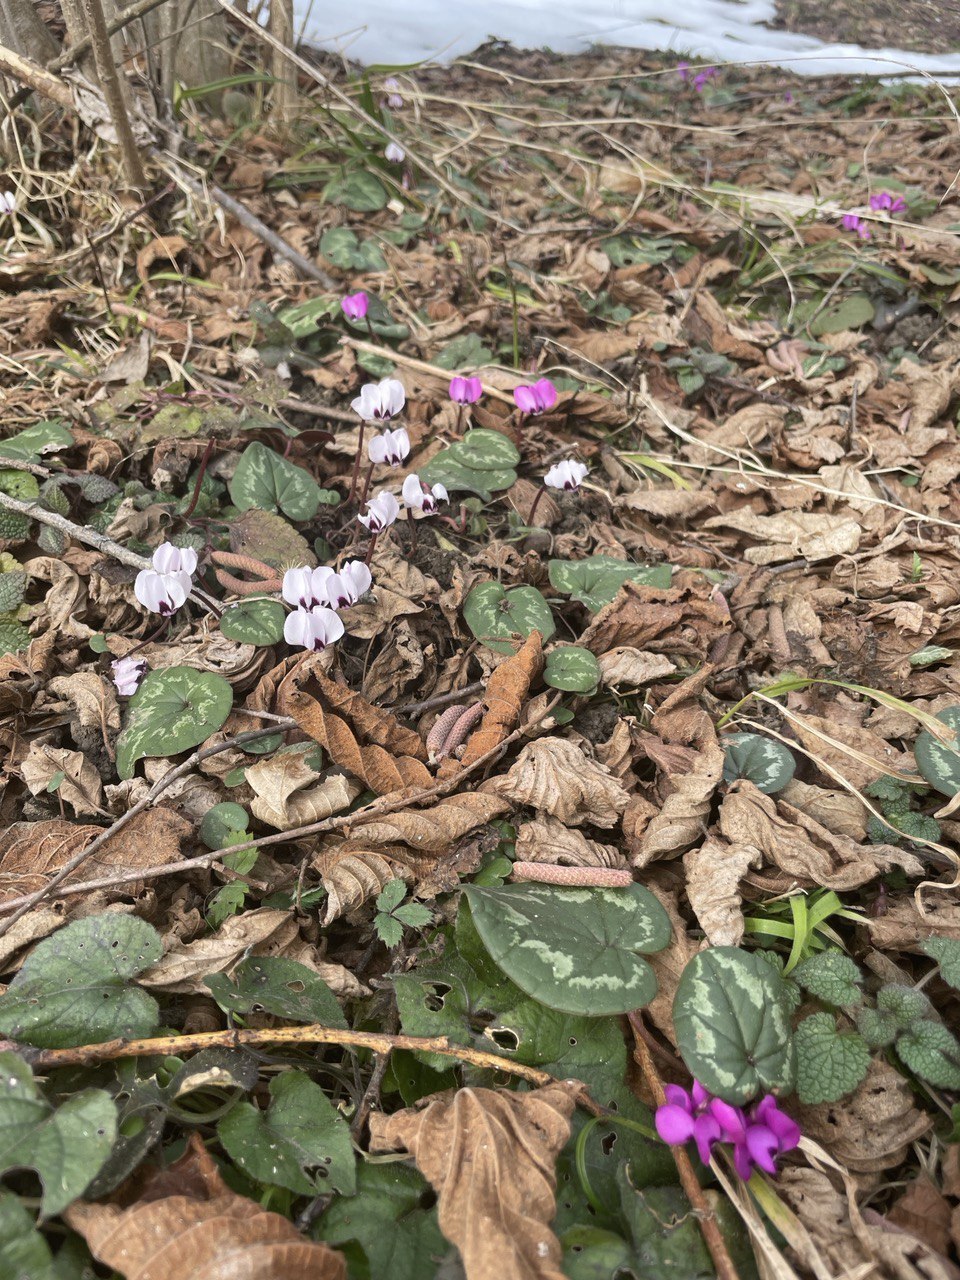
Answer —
314 628
465 390
851 222
354 305
165 587
758 1136
395 154
885 200
127 674
390 447
419 498
393 99
701 79
537 398
683 71
566 475
381 400
381 512
345 586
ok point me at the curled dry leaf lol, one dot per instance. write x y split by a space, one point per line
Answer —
714 872
286 796
789 535
183 968
504 697
391 758
903 927
838 811
91 699
187 1223
924 1212
79 783
676 621
856 754
800 846
490 1155
352 875
626 666
546 839
555 776
682 820
433 830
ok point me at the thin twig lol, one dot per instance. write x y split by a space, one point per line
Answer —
80 533
441 700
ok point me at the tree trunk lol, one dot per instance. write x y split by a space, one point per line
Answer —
284 92
23 32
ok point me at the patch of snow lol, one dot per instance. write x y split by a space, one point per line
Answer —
718 31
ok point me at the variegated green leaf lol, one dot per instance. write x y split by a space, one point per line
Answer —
263 479
173 710
769 765
496 616
938 762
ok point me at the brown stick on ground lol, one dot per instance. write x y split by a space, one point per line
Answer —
713 1237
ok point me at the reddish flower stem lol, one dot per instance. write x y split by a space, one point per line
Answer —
204 463
536 502
356 464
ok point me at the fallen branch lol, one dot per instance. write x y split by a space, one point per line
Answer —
79 533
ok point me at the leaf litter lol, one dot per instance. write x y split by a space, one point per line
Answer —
717 659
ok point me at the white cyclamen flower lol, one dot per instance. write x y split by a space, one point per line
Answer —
127 674
304 587
348 585
8 202
419 498
566 475
395 154
313 628
379 400
381 512
165 587
389 446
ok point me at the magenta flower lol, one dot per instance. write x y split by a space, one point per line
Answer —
566 475
683 71
465 390
127 674
537 398
885 200
758 1136
381 512
851 222
701 79
314 628
354 305
390 447
165 587
419 498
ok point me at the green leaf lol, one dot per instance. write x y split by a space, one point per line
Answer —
41 438
904 1004
73 986
281 987
300 1142
66 1147
258 622
732 1017
931 1052
389 930
937 762
391 895
267 537
572 669
852 312
413 914
359 191
769 765
220 820
597 579
466 351
495 615
484 450
878 1029
13 635
575 950
830 1063
174 709
265 480
446 469
830 976
393 1220
946 952
667 1240
24 1254
341 247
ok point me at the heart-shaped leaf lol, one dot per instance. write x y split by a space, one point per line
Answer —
830 1063
576 950
263 479
446 469
732 1017
486 451
258 622
300 1142
173 710
572 669
939 763
220 820
66 1147
769 765
494 615
359 191
597 579
277 986
73 988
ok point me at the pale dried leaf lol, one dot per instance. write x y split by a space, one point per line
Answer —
669 964
183 968
490 1155
546 839
433 830
792 535
682 820
92 698
555 776
856 762
80 787
714 872
285 796
626 666
352 875
839 811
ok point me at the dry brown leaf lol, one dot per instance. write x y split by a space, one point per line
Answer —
856 763
554 776
352 874
902 927
490 1155
80 786
682 820
38 923
924 1212
714 872
432 830
286 796
801 847
397 665
838 811
546 839
263 931
92 698
504 697
791 535
187 1223
633 667
682 620
390 761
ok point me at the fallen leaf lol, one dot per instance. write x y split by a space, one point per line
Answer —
432 830
188 1223
714 872
546 839
682 820
490 1155
792 535
554 776
633 667
182 969
353 875
79 783
504 697
924 1212
288 795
